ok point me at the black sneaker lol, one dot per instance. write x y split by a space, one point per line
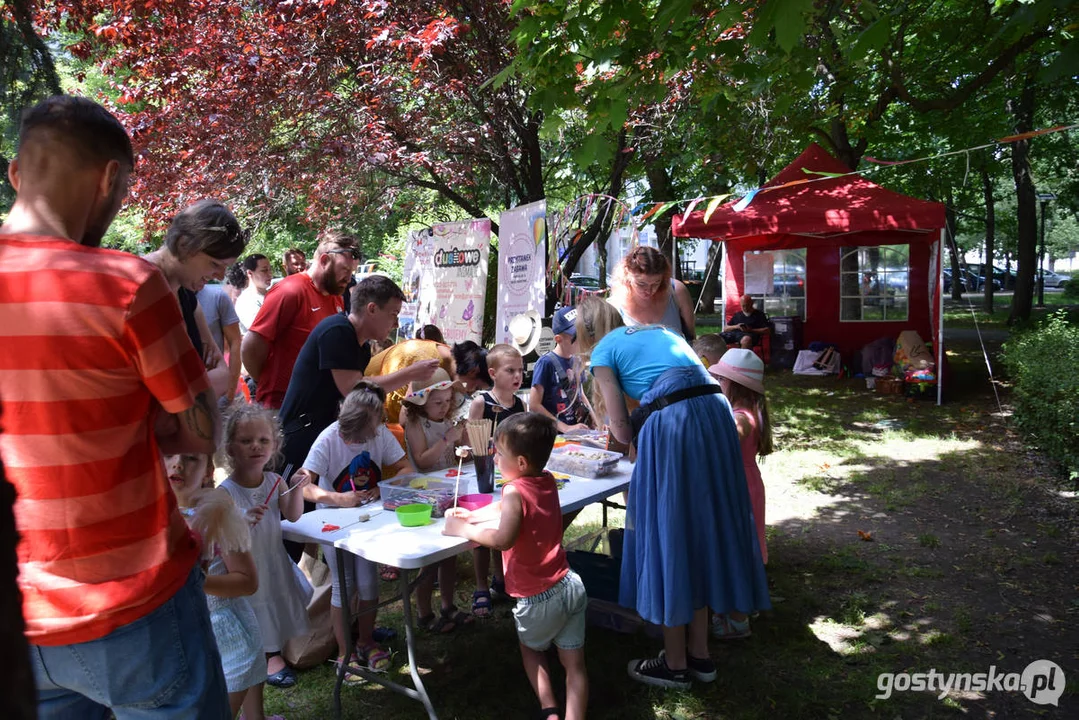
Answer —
654 671
700 669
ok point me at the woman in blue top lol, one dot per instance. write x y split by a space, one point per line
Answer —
690 539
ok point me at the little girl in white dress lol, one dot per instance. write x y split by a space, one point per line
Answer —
252 439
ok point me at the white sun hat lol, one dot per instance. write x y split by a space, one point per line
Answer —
743 367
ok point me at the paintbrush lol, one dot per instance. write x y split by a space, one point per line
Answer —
288 470
289 490
460 452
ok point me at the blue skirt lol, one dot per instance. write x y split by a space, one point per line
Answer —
239 641
690 539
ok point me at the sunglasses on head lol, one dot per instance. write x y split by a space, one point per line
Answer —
354 252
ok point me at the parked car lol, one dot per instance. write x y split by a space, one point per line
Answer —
586 282
1005 278
1055 280
971 282
791 284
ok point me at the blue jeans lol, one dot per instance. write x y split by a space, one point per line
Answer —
163 665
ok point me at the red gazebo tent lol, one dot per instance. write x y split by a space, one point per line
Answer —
823 216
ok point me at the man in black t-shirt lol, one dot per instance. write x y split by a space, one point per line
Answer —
332 360
747 327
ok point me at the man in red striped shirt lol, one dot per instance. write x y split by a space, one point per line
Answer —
97 379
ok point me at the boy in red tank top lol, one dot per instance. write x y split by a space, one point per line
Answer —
551 598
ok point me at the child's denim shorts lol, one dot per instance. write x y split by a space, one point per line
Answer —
555 615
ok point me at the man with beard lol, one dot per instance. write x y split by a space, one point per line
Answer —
292 309
97 379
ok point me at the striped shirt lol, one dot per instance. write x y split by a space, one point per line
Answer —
91 343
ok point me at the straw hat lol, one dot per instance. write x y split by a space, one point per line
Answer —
525 331
419 392
743 367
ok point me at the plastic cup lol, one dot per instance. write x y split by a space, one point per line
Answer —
474 502
485 473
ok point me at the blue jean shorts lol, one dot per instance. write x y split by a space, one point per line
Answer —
553 616
163 665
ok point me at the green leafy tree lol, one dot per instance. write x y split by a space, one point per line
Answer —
27 75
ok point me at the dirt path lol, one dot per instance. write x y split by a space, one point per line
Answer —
913 538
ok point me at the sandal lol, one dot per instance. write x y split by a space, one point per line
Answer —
481 603
455 616
375 658
724 627
437 624
283 678
351 678
389 574
498 589
383 634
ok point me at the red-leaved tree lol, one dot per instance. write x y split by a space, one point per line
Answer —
335 105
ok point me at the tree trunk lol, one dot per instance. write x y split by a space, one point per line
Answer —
850 153
958 280
659 181
990 238
711 289
1027 241
601 226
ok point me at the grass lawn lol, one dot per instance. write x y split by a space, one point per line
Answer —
963 313
903 537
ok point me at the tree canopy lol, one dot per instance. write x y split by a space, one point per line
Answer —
375 115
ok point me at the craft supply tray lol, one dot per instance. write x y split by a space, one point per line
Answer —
588 438
407 489
583 461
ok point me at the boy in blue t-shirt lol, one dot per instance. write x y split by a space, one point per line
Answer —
556 389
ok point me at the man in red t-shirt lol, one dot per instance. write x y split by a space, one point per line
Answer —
97 379
292 309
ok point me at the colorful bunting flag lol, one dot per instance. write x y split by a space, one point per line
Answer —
807 171
744 202
712 205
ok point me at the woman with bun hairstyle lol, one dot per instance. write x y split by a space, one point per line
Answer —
645 293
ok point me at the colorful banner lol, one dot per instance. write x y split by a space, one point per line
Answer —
521 264
445 280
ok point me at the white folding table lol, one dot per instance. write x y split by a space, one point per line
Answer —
381 539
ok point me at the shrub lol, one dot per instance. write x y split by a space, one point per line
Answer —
1071 288
1043 362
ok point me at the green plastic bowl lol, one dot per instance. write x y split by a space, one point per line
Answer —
414 515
